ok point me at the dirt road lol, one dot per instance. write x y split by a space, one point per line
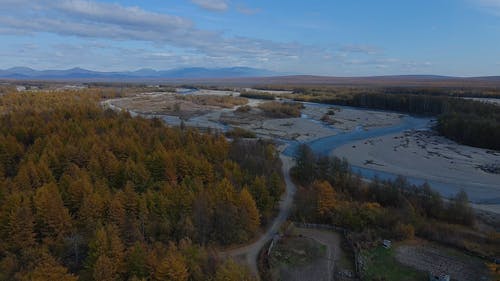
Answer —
249 253
332 242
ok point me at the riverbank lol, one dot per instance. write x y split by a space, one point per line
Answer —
376 143
425 155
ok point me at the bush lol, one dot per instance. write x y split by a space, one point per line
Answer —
281 110
257 95
244 109
240 133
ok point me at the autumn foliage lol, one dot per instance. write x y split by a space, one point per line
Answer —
97 195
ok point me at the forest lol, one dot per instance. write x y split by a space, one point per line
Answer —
329 193
91 194
465 121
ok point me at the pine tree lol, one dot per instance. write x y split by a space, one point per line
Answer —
51 214
48 269
249 214
105 270
230 271
325 198
19 228
172 268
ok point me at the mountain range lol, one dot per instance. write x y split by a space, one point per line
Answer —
242 76
191 72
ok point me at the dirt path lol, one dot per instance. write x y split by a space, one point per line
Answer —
250 253
332 242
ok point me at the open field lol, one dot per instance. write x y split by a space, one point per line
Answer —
340 263
381 263
414 260
185 106
430 257
299 259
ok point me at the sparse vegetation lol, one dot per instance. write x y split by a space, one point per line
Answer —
240 133
212 100
244 109
331 194
257 95
281 110
468 122
380 264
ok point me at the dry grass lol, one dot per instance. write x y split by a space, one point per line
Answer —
299 259
281 110
219 101
430 257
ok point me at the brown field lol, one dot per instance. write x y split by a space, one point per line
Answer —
430 257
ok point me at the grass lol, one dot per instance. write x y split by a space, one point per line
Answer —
220 101
240 133
281 110
382 265
297 252
244 109
257 95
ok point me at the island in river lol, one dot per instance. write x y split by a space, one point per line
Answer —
376 143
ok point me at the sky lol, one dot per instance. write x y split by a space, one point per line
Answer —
318 37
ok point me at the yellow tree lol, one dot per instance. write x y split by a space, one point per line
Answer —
51 214
48 269
19 231
230 271
105 269
172 268
325 197
249 214
106 248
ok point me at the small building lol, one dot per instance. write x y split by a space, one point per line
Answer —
387 244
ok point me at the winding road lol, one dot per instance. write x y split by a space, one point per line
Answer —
249 253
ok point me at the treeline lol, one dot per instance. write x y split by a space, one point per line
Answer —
411 103
471 122
97 195
318 90
330 193
257 95
465 121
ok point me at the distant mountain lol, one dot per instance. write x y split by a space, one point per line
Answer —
178 73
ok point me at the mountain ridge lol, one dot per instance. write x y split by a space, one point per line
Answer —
188 72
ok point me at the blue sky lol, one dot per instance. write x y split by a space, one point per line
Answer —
342 38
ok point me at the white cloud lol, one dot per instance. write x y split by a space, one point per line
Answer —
492 6
212 5
247 10
363 49
93 19
101 34
491 3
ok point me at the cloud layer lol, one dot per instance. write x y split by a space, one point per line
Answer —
173 41
212 5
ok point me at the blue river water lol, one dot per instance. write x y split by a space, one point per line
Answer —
325 146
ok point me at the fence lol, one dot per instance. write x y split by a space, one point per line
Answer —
358 264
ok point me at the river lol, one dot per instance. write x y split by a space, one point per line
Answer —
326 145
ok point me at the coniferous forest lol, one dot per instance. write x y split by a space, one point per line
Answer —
330 193
465 121
92 194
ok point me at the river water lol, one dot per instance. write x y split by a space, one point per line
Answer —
325 146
